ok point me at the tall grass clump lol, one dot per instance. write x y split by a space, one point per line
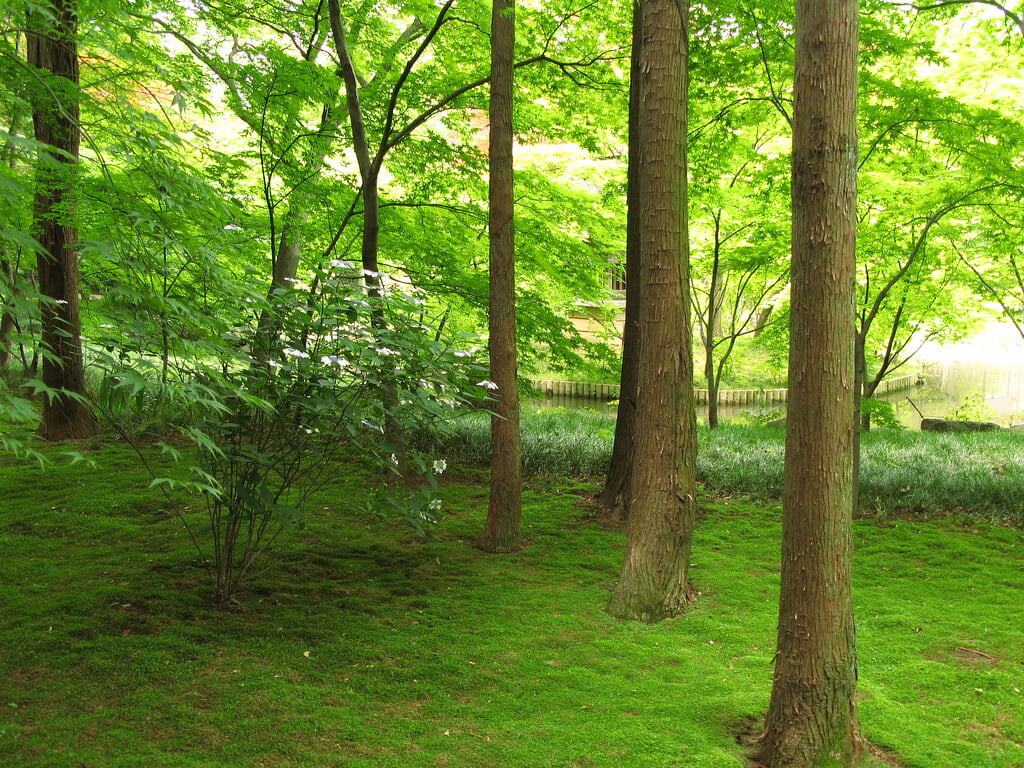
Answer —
555 441
944 473
924 473
140 401
567 442
742 459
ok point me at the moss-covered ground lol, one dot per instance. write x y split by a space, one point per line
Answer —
361 644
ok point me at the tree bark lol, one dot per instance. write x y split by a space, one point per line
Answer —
661 484
53 49
714 326
812 719
369 172
502 531
284 270
7 322
613 494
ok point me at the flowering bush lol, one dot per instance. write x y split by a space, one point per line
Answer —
337 377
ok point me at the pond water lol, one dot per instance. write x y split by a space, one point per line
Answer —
983 377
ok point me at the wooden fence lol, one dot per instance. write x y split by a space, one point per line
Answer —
581 389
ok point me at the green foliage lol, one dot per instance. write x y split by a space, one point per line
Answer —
336 385
972 408
916 473
880 413
759 417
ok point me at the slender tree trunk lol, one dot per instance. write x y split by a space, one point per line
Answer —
714 328
393 432
812 718
711 374
52 48
8 322
369 172
7 318
661 485
502 531
861 419
283 271
613 494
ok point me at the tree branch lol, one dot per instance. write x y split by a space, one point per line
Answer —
389 120
945 3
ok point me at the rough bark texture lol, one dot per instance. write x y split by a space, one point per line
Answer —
612 496
812 718
52 48
502 531
661 485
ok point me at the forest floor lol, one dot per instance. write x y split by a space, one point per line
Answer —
361 644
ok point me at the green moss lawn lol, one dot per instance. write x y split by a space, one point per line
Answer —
360 644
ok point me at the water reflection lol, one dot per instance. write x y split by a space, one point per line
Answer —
984 390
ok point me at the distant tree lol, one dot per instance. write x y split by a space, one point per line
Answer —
502 531
660 488
53 53
812 718
909 296
733 300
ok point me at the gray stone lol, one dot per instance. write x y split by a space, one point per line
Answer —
949 425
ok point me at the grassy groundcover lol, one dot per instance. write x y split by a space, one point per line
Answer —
361 644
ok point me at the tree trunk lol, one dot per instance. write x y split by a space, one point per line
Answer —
284 270
502 531
661 485
52 48
8 322
762 320
713 329
812 718
711 375
861 419
7 318
369 172
613 495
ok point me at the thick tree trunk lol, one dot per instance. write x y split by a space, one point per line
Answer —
613 494
812 718
52 47
502 531
661 485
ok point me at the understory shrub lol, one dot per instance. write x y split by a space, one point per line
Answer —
332 381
